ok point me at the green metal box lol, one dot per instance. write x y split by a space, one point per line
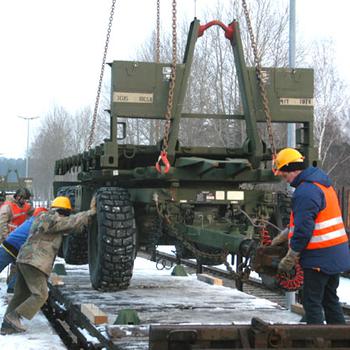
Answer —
140 89
290 93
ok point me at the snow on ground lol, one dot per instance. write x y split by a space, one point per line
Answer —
159 297
40 335
177 295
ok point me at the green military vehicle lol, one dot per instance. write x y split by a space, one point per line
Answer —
197 198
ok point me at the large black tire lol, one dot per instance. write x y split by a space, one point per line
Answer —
74 247
112 240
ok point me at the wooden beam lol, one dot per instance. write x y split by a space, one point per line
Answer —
298 309
56 280
94 314
209 279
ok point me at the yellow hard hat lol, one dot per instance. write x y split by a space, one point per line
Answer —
62 203
287 156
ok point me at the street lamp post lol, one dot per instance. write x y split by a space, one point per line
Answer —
292 25
291 142
28 119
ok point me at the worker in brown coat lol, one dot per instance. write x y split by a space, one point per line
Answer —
14 212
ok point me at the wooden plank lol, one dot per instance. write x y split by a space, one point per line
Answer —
94 314
210 279
298 309
56 280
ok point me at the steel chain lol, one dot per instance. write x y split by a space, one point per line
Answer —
197 252
158 33
98 95
261 83
172 80
241 276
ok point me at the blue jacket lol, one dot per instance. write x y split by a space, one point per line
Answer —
17 237
308 200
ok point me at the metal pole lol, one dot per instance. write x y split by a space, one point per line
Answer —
28 119
292 16
291 142
27 159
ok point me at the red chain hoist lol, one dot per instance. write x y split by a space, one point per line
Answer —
288 281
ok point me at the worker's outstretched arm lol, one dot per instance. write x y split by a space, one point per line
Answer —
65 224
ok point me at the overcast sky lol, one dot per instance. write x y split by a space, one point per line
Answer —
51 49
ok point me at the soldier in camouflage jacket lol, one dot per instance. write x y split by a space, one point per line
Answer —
36 258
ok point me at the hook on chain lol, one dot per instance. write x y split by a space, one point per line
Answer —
163 157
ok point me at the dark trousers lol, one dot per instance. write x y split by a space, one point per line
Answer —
320 298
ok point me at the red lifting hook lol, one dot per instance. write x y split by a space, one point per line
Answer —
228 29
164 158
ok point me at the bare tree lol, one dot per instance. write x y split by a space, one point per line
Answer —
213 89
331 106
213 86
60 135
52 142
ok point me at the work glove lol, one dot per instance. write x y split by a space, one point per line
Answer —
281 237
289 261
93 205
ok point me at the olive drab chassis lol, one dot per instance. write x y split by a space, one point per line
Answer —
202 181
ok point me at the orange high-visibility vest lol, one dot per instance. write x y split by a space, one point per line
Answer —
19 215
329 228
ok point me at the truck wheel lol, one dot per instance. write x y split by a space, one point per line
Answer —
60 252
74 248
112 240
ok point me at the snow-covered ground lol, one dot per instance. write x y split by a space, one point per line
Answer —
40 335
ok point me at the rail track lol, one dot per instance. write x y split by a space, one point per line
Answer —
252 286
158 299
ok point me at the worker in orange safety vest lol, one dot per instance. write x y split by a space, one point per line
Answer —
316 236
14 212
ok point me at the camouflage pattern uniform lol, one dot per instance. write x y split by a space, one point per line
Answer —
6 218
36 258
